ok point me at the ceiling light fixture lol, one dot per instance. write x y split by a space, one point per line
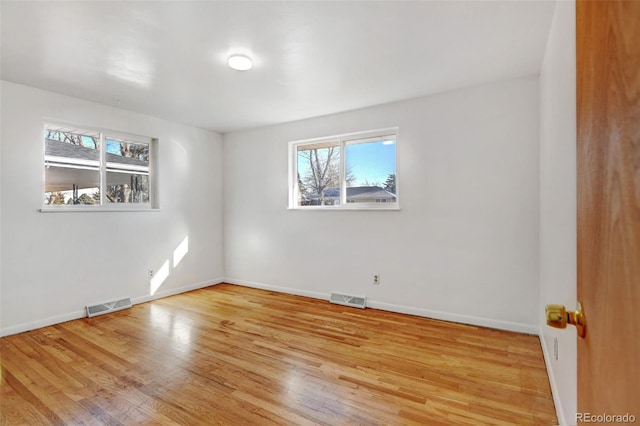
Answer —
240 62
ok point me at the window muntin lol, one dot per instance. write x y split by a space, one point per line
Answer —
345 172
86 167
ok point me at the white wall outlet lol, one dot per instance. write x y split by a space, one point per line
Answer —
376 279
150 273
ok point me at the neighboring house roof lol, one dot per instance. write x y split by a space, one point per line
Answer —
358 192
331 192
64 149
56 148
377 193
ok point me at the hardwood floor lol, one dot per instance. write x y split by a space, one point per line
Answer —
233 355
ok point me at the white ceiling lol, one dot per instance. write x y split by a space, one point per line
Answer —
168 59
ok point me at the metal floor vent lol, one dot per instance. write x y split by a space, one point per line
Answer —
105 308
349 300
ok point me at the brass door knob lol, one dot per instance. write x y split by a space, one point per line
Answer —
558 317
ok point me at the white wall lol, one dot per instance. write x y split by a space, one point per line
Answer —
464 245
53 264
558 203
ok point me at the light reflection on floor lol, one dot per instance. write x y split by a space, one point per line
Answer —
177 328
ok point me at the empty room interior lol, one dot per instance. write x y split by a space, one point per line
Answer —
292 213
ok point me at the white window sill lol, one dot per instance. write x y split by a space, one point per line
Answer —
342 209
77 209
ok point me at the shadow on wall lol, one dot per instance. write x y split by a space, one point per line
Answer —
164 271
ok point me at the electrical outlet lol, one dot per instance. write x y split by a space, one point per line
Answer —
376 279
150 273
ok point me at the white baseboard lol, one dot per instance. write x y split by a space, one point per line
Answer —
427 313
174 291
552 381
57 319
446 316
458 318
286 290
44 322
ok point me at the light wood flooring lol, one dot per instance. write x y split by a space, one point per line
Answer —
239 356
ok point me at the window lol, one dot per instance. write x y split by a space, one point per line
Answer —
354 171
96 168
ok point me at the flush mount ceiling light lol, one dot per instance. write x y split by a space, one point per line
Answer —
240 62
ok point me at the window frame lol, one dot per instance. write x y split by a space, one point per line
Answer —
342 141
105 205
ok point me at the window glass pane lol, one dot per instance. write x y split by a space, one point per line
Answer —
72 164
124 152
127 171
127 187
371 170
70 185
72 149
319 174
71 136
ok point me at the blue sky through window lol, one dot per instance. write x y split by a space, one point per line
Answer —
372 162
88 141
113 147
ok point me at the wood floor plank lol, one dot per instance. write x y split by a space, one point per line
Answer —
233 355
